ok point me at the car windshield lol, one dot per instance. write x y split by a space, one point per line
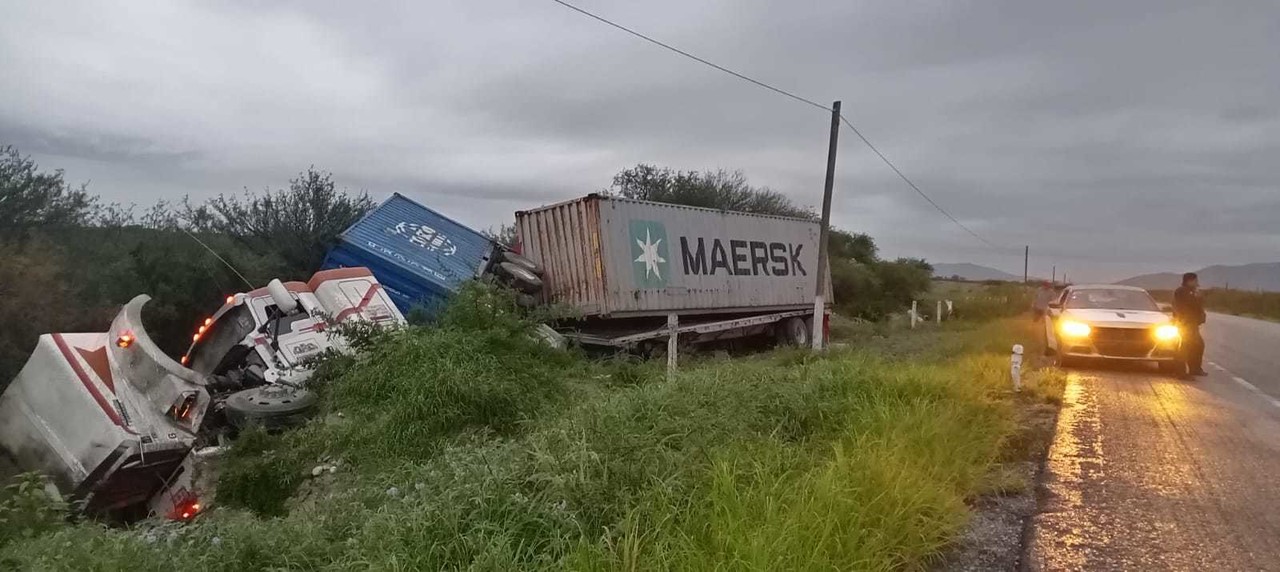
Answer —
1106 299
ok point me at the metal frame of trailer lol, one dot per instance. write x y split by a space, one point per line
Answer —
698 329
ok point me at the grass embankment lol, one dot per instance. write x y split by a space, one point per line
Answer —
467 446
1261 305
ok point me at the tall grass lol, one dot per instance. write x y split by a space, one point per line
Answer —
468 447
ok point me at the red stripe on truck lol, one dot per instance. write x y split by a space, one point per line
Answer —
87 382
364 302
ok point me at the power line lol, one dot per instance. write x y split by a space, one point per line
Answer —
788 94
692 57
913 185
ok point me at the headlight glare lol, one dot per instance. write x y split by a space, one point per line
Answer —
1074 329
1167 333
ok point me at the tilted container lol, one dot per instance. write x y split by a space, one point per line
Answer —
418 255
614 257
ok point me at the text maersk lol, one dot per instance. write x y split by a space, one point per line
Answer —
742 258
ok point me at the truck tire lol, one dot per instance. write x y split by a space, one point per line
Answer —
270 407
794 332
521 278
518 260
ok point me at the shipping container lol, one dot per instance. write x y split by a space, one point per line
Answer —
611 257
418 255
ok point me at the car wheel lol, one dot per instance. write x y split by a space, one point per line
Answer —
521 278
518 260
270 407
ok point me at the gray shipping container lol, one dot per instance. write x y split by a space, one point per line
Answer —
615 257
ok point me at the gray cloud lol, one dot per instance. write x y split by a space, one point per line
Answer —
1113 137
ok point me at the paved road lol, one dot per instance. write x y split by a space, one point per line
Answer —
1148 472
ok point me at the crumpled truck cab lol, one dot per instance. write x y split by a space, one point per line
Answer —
107 416
269 334
113 421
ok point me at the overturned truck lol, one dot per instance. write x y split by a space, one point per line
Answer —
113 421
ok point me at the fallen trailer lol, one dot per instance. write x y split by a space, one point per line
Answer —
628 268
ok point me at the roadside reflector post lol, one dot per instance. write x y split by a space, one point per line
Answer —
1015 367
673 323
938 313
914 313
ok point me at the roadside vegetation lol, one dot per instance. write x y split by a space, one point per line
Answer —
462 443
71 260
468 445
1261 305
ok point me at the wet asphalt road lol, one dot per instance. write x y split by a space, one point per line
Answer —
1148 472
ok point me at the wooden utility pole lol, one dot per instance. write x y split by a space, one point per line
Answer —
1026 258
819 303
1055 275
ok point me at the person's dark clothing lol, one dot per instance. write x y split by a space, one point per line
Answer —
1193 349
1188 313
1188 306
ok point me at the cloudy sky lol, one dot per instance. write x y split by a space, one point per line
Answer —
1112 137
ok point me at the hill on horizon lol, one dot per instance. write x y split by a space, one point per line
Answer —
1259 276
969 271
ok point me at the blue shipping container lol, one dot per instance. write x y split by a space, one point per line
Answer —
419 255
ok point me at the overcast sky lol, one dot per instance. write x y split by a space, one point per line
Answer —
1113 137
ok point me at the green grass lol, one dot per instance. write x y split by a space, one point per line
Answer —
467 447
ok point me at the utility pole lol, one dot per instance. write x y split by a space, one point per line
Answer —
1026 257
1055 274
819 304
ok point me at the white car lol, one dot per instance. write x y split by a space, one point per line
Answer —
1114 323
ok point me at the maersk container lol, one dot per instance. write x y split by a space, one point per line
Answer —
418 255
614 257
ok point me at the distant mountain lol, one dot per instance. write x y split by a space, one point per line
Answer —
1261 276
971 272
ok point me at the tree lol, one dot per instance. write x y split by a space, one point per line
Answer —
31 199
300 224
852 245
710 189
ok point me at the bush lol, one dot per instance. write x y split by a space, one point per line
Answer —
27 511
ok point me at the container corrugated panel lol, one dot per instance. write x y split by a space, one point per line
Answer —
419 255
608 256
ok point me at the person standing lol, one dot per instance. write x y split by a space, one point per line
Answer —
1188 314
1040 305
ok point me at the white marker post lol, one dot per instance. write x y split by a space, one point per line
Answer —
1015 367
673 323
914 313
939 313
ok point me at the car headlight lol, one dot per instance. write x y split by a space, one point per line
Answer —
1167 333
1074 329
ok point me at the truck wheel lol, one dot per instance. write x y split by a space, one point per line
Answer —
518 260
270 406
794 332
521 278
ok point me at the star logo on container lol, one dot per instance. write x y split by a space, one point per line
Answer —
649 253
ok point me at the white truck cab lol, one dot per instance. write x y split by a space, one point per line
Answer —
113 421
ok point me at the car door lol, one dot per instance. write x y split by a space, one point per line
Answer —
1051 320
